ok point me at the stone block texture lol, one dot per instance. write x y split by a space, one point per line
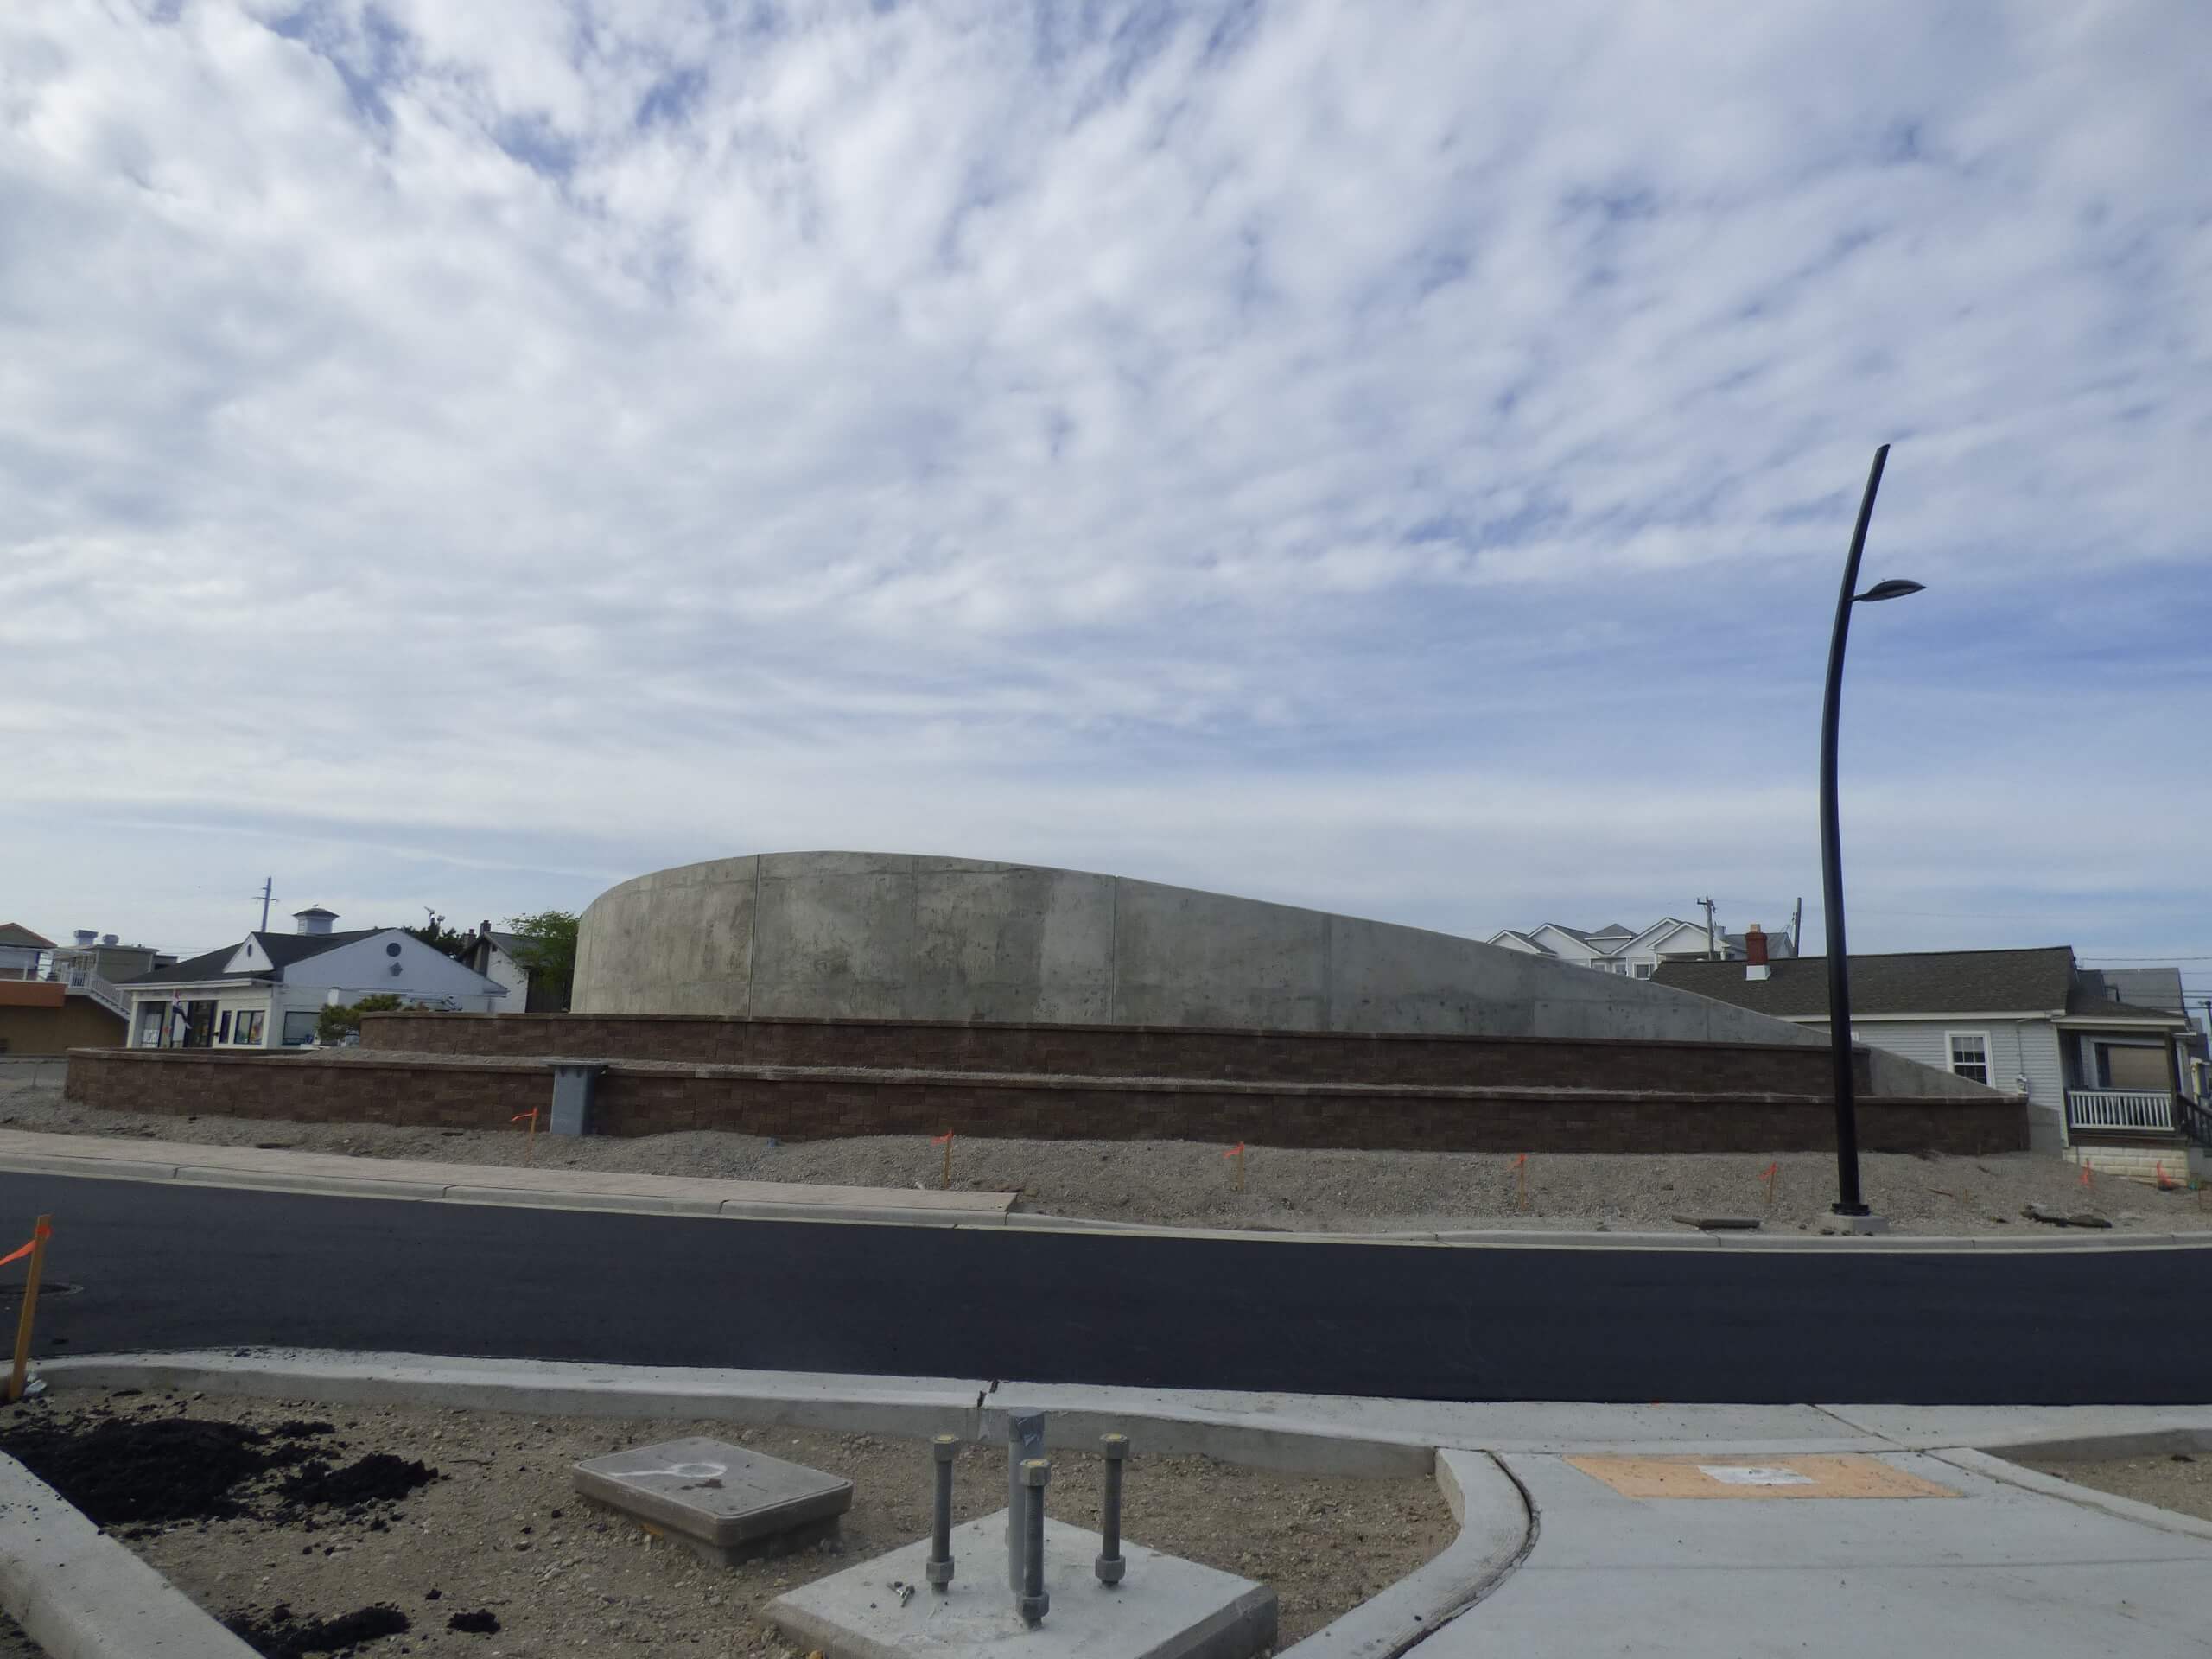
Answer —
1223 1087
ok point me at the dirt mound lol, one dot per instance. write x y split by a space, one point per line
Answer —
131 1472
121 1472
279 1634
379 1477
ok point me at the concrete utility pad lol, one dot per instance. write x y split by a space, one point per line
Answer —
1167 1608
725 1501
1848 1475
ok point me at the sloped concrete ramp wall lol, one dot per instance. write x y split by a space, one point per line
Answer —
892 936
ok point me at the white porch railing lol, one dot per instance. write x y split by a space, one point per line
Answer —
2129 1110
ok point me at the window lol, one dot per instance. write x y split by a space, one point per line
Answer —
247 1027
1643 969
223 1027
1969 1051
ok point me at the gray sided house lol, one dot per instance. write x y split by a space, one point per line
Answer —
2107 1079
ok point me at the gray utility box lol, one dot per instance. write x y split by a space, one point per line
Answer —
575 1083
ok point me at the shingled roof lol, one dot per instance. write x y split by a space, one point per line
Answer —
282 950
2042 981
16 934
1928 982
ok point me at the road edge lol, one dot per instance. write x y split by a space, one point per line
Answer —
399 1186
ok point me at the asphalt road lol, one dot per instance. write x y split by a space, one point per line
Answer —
164 1266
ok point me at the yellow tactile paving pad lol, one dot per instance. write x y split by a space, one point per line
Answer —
1841 1475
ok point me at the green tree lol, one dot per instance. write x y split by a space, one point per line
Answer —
446 941
548 949
333 1025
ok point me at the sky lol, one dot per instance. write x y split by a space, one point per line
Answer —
1393 458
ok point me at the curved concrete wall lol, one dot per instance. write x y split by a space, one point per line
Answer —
898 936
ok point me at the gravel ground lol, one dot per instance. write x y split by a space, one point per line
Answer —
501 1532
1189 1184
13 1644
2181 1481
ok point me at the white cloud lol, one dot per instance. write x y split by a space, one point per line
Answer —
1396 460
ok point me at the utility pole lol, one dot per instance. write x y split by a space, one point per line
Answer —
1712 943
267 887
1796 922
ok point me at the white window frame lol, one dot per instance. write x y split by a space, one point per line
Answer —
1988 1056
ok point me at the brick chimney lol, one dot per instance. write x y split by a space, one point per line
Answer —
1755 965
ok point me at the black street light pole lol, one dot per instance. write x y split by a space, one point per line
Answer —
1847 1203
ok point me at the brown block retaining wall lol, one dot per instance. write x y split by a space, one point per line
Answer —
646 1099
1094 1051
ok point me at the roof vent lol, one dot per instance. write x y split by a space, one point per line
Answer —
108 938
314 920
85 937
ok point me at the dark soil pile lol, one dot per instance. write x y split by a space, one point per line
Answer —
482 1623
140 1472
278 1634
378 1478
121 1473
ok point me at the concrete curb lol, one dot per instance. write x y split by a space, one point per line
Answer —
398 1178
917 1406
1497 1531
2034 1480
79 1594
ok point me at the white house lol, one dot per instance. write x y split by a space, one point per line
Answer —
2105 1079
500 958
267 990
1635 955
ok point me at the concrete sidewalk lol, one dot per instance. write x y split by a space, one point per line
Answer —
107 1158
1993 1569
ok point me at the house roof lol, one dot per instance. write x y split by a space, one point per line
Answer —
282 950
1612 930
16 934
1502 934
2094 994
209 966
2147 988
1929 982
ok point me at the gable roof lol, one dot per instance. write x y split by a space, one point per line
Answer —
282 950
1502 933
1612 930
14 934
1928 982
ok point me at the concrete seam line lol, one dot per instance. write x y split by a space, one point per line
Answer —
1497 1531
79 1594
2034 1480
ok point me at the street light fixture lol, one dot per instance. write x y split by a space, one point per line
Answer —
1848 1202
